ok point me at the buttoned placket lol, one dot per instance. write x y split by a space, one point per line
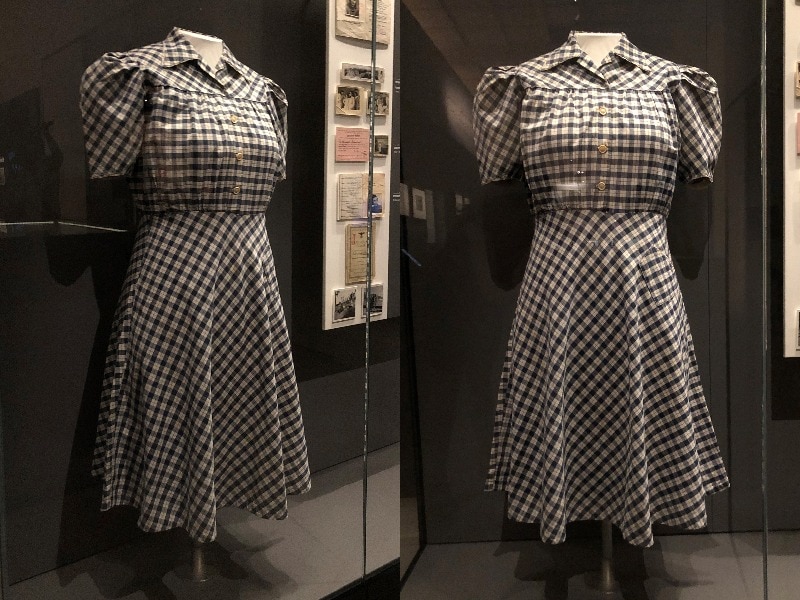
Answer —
225 78
233 126
600 119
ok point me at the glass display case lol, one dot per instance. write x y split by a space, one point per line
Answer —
511 158
184 143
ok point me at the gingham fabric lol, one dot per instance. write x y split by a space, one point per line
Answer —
601 413
199 406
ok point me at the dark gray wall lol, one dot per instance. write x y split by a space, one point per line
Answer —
784 407
59 291
463 296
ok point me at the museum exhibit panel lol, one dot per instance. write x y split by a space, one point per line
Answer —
598 387
177 416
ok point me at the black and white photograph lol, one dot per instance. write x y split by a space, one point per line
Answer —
418 203
381 145
381 103
352 10
354 19
374 299
348 100
405 200
344 304
363 73
376 206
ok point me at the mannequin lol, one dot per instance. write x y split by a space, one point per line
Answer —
208 47
597 45
145 112
210 50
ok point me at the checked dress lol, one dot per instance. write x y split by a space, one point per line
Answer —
199 405
601 413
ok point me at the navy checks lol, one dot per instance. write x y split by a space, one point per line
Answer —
608 137
199 406
601 413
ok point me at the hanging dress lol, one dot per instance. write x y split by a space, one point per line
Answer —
199 405
601 412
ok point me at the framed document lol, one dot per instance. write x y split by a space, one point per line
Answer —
352 144
356 254
352 196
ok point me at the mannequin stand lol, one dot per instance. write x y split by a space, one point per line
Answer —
199 572
603 581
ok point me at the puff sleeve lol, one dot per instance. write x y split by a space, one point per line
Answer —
496 125
279 112
112 107
697 104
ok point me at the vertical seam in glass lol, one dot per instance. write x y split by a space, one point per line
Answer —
4 583
764 305
367 297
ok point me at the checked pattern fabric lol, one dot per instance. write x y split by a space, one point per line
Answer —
601 412
199 406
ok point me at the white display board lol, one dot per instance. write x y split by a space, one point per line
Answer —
791 217
351 51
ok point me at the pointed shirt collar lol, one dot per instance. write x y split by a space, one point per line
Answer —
571 49
176 49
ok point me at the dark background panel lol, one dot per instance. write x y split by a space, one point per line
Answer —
783 400
464 294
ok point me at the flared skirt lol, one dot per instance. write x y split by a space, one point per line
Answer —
199 405
601 412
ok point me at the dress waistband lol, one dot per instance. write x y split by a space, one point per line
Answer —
621 206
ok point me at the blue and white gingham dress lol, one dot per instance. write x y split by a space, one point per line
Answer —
199 406
601 413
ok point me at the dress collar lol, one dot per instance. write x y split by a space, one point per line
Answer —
571 49
176 49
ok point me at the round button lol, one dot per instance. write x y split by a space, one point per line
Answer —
601 185
602 148
239 155
234 118
237 189
602 110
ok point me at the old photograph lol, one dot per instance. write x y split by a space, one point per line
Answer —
354 19
344 304
381 103
419 208
381 145
373 299
352 10
405 200
348 100
363 73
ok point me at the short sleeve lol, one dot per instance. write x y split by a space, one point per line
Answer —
280 108
700 120
495 121
112 107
